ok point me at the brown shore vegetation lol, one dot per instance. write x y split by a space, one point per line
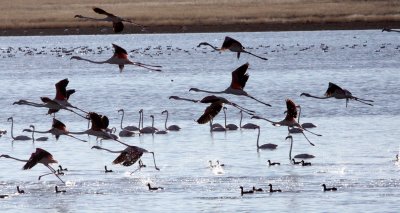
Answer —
57 17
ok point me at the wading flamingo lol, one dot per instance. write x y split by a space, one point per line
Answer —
19 137
118 25
247 125
39 156
269 146
334 91
239 79
129 128
120 58
58 128
33 135
232 45
229 126
172 127
290 119
301 156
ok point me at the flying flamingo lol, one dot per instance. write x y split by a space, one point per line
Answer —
290 119
19 137
120 58
172 127
99 127
239 79
390 30
33 135
229 126
59 102
269 146
247 125
118 25
232 45
39 156
334 91
129 128
58 128
129 155
301 156
212 99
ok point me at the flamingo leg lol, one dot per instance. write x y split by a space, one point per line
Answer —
312 132
76 138
254 55
363 101
154 159
44 175
149 68
307 139
258 100
55 173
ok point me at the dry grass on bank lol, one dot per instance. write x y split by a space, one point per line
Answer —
60 13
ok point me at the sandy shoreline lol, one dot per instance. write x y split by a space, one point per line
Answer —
357 25
47 17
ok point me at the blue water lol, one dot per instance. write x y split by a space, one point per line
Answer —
355 154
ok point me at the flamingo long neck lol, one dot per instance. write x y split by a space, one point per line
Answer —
92 19
298 119
32 104
290 150
166 119
33 133
12 128
141 118
91 61
18 159
241 117
225 116
211 125
214 47
122 118
152 121
79 133
324 97
109 151
258 137
247 95
212 92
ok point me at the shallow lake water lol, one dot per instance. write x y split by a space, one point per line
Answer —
356 153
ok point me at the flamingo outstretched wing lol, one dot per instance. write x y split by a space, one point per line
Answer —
102 12
291 110
61 89
36 157
333 88
240 77
128 157
210 112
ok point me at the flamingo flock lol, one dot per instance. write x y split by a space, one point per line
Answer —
99 124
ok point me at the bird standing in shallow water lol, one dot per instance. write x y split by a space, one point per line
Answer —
232 45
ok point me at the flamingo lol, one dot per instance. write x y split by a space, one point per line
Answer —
295 130
39 156
129 155
129 128
301 156
289 120
212 99
58 128
37 139
232 45
328 189
120 58
334 91
269 146
98 128
172 127
19 137
229 126
239 79
390 30
247 125
59 102
273 190
148 129
118 25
